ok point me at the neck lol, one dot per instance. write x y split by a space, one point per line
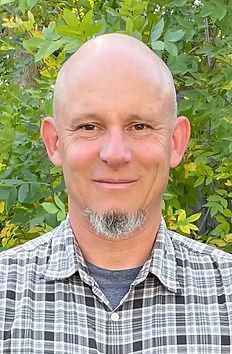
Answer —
126 253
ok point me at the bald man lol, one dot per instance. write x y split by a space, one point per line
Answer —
111 278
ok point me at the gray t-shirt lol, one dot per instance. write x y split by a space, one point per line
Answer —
115 284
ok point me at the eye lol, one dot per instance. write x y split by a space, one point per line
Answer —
89 130
89 127
143 127
140 126
140 130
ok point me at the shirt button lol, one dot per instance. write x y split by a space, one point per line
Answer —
115 317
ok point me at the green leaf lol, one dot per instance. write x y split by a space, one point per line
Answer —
112 12
70 18
48 48
31 3
12 197
219 229
214 198
194 217
207 9
35 193
209 180
227 213
88 19
216 78
158 30
157 45
12 182
36 221
129 25
4 242
179 3
220 219
221 192
199 181
4 192
59 202
228 238
33 43
182 215
193 227
72 46
224 203
7 136
215 209
21 216
23 192
50 208
220 11
173 36
90 27
185 229
4 2
23 6
217 241
85 4
61 215
171 48
49 34
31 177
69 31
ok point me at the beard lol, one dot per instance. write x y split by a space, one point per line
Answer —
115 224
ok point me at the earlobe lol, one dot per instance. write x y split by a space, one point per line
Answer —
49 136
180 138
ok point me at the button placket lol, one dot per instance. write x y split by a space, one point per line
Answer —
114 317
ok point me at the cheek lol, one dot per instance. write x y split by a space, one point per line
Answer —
78 155
156 156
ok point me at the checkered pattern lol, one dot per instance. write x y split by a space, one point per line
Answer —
180 302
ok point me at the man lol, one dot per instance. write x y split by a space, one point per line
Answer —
111 278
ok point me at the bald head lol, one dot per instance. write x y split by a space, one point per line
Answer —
114 57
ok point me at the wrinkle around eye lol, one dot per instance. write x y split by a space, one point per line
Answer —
86 131
140 129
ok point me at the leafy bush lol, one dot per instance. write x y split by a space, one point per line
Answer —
193 38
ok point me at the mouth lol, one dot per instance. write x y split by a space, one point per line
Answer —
114 183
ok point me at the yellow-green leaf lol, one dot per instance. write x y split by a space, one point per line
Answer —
228 238
194 217
182 215
218 242
185 229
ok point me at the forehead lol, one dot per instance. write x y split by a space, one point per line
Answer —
113 82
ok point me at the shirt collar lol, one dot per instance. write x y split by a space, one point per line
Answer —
163 259
66 258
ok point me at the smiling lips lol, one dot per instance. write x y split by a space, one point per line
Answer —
115 184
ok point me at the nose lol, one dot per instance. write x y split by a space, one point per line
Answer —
114 150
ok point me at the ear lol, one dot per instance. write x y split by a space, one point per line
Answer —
50 138
180 138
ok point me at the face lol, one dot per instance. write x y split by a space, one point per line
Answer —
116 142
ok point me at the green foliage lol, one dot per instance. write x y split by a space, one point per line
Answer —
192 37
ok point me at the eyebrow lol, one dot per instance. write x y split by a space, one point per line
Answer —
91 115
84 116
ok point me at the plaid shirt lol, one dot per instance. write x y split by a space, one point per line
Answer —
180 302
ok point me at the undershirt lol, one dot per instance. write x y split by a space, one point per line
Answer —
115 284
